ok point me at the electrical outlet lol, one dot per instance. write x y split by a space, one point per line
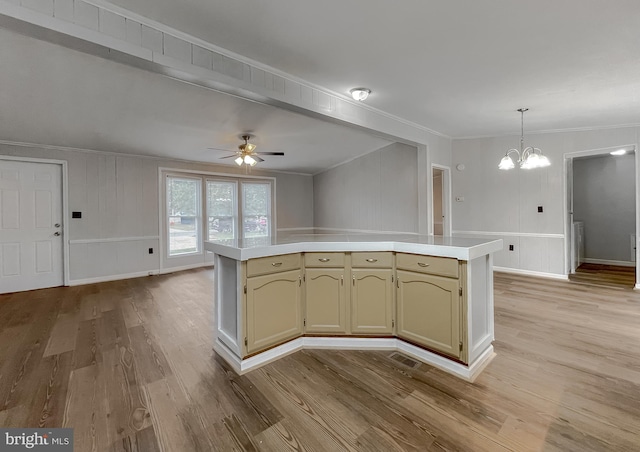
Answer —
150 250
510 247
76 214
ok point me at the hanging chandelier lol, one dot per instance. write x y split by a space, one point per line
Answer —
529 157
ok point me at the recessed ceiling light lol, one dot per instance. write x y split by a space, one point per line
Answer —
360 93
618 152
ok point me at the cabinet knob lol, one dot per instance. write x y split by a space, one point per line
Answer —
422 264
277 264
324 259
370 260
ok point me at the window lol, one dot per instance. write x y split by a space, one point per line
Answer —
202 207
222 210
256 209
183 215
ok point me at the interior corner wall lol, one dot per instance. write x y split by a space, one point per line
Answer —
504 204
118 197
604 200
375 192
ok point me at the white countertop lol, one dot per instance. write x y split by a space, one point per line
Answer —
463 248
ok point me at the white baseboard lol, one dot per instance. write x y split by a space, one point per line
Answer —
609 262
468 373
518 271
99 279
180 268
107 278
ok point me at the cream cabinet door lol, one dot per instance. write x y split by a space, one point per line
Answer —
274 309
372 301
429 311
325 301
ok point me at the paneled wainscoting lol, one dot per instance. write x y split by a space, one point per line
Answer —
129 365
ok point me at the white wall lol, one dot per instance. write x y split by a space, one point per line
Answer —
376 192
604 199
504 204
118 197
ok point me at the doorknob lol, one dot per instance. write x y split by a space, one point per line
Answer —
57 234
57 225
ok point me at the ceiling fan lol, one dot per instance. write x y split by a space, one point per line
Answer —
246 153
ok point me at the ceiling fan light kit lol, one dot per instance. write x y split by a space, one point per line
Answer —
246 155
529 157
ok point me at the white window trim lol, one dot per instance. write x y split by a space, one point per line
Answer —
163 172
200 236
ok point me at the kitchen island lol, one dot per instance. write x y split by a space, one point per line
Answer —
430 298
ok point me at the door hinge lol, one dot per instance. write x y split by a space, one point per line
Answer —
304 322
245 342
460 346
460 291
393 323
392 279
245 288
304 277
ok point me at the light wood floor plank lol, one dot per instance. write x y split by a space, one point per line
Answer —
129 365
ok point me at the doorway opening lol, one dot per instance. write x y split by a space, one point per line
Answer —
440 201
602 217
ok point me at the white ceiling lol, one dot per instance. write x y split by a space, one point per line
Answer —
458 67
57 96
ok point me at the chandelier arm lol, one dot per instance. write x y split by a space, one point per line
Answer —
511 151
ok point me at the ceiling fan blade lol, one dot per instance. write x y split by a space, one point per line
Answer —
269 153
258 158
228 156
223 150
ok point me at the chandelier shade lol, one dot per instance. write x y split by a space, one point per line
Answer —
528 157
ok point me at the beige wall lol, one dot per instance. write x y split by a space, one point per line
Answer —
376 192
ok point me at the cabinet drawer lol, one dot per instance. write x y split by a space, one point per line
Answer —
324 260
273 264
372 260
443 266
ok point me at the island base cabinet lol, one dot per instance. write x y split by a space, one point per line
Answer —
274 309
326 306
372 301
429 311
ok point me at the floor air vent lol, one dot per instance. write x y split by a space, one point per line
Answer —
405 360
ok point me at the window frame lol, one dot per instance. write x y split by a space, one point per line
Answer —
241 210
204 176
197 220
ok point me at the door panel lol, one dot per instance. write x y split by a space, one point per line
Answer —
31 231
274 309
326 301
429 311
372 301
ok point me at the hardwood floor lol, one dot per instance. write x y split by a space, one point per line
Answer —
129 366
605 275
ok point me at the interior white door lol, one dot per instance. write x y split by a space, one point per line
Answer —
31 231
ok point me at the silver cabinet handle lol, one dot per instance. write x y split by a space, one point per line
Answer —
371 260
422 264
277 264
324 259
57 234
